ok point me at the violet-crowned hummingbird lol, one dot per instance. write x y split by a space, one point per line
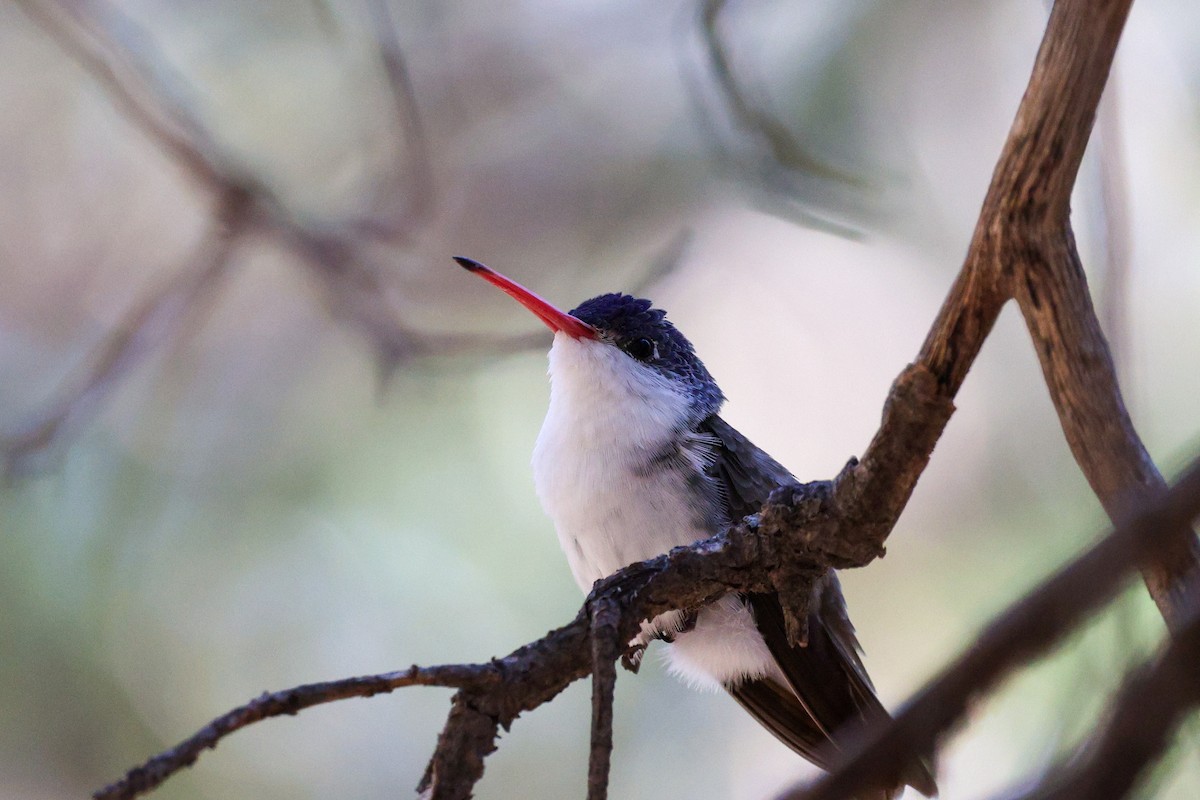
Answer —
633 460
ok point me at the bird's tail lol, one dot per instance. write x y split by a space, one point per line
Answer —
919 775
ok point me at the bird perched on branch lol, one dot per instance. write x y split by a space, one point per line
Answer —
633 460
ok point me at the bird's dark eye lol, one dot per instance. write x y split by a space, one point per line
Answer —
641 349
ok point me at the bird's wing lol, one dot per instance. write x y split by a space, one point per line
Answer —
745 473
778 710
747 476
827 677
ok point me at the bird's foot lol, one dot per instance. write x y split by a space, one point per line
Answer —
631 659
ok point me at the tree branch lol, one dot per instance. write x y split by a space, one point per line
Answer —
457 763
1142 720
492 695
1023 632
114 52
751 116
1022 248
606 648
122 59
290 702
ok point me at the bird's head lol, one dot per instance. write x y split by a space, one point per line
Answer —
621 341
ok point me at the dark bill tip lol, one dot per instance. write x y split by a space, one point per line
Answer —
469 264
555 319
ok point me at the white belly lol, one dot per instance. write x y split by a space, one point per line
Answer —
613 504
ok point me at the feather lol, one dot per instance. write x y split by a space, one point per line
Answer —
827 685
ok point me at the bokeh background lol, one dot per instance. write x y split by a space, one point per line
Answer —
256 503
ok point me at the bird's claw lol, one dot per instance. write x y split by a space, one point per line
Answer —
631 659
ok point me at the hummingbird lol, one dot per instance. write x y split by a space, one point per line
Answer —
633 460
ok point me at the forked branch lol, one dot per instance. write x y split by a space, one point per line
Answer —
493 694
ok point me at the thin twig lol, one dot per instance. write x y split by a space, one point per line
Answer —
142 779
606 616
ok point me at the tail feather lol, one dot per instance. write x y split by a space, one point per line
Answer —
829 694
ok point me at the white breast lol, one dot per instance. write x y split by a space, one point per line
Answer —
609 417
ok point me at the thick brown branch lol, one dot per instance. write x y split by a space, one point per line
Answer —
874 491
1031 186
1081 378
1023 632
1023 248
457 763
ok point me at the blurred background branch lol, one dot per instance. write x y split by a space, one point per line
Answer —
750 115
123 58
164 314
797 184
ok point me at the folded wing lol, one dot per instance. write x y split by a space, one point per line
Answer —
827 685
